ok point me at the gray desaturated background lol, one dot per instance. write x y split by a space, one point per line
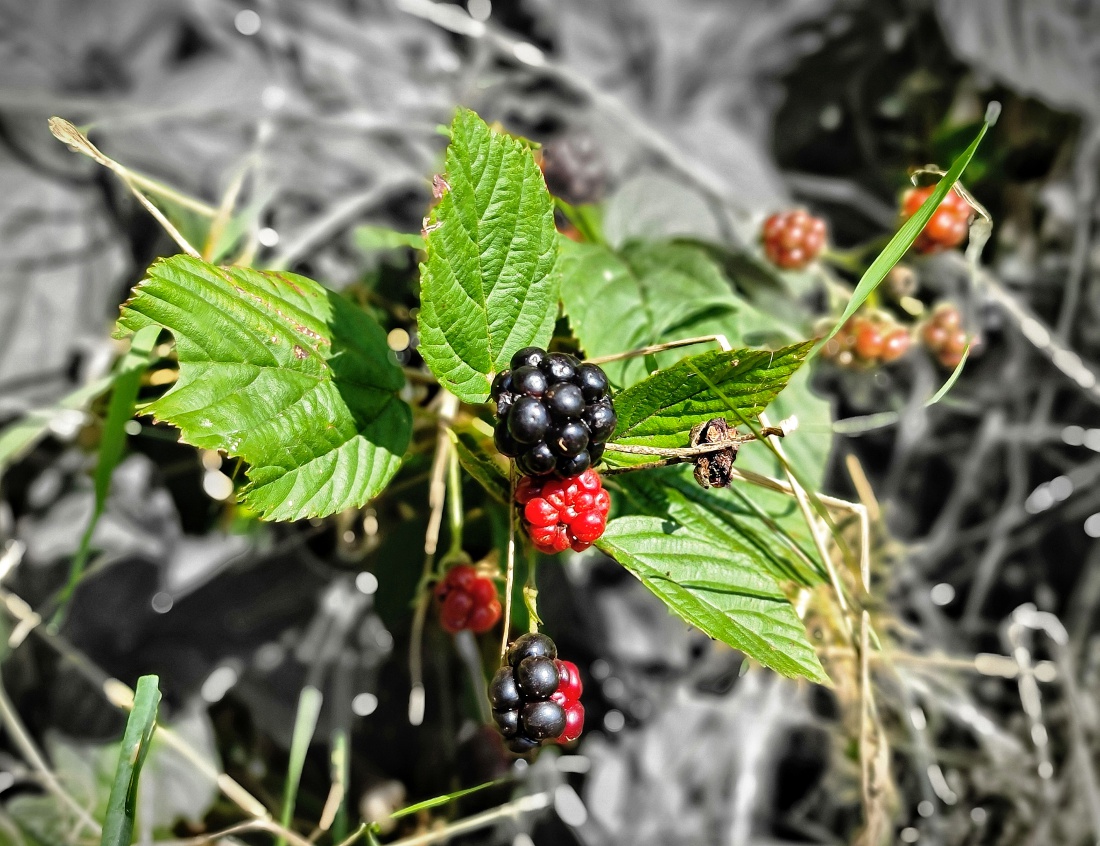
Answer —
707 114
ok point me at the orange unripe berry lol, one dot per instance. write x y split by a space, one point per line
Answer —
948 225
793 239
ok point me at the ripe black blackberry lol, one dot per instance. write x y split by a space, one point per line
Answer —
520 694
554 413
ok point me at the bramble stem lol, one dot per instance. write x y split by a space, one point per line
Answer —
701 449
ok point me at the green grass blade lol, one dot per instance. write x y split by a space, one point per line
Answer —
119 411
443 800
340 775
904 237
305 723
942 392
118 826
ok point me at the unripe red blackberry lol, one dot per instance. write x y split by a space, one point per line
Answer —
467 601
793 239
948 225
944 336
561 514
554 413
568 695
866 340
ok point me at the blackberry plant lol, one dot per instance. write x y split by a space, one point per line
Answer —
301 386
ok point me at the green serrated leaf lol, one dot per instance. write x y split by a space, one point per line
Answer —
661 410
479 464
489 286
722 516
283 373
719 590
657 292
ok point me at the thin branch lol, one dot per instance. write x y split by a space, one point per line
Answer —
523 805
815 531
341 214
701 449
22 740
240 828
656 348
78 142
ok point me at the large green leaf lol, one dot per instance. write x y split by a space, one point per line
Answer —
661 410
734 522
717 588
283 373
656 292
489 286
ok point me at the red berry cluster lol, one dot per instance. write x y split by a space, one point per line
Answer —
866 340
944 335
561 514
467 601
948 225
793 239
568 695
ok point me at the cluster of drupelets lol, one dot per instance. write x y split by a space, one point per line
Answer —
794 239
554 415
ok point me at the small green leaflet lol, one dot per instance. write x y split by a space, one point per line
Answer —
657 292
490 285
715 588
661 410
283 373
